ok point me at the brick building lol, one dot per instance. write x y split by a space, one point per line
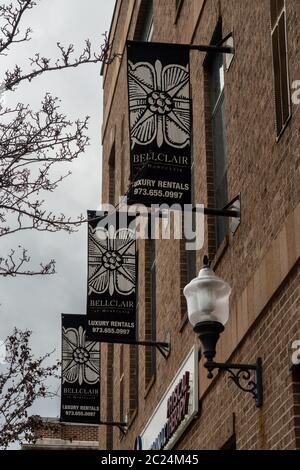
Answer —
246 123
64 436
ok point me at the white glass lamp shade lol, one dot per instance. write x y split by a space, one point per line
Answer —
207 298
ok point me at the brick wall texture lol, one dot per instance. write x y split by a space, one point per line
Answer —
260 262
65 432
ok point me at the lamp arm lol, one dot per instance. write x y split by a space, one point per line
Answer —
241 375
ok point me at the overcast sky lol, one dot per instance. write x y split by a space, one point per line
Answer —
37 303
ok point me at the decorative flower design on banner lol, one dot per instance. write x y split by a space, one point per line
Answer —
111 261
80 358
159 104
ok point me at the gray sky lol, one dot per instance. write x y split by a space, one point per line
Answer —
36 303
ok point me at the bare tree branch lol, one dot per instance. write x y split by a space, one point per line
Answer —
34 145
22 382
11 16
14 264
67 60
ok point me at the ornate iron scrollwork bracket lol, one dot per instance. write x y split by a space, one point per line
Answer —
248 377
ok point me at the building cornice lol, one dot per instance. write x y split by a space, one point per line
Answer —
116 64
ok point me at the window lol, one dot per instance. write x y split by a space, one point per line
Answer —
280 64
144 26
134 363
178 5
110 395
191 254
191 265
122 175
214 70
122 135
187 272
150 319
133 379
187 257
122 416
112 172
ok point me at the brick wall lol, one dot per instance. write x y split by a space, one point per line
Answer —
260 261
110 377
272 426
54 429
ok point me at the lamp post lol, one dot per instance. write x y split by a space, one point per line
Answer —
207 299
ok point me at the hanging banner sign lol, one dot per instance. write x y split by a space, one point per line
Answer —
80 389
160 123
111 298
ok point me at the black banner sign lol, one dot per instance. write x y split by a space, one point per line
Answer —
80 389
160 123
111 298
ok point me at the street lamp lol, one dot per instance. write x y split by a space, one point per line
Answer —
207 299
